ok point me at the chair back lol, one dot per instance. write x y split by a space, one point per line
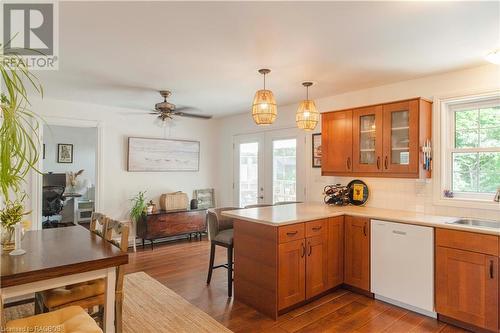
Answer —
120 229
216 222
286 202
98 223
52 200
257 205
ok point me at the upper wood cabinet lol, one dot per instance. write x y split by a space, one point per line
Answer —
386 140
357 252
336 141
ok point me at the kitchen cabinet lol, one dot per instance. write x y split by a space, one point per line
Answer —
386 140
303 263
291 272
357 252
467 278
367 139
336 142
335 243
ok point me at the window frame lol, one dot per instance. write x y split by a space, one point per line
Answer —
444 117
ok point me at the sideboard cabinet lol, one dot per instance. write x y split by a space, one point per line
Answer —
383 140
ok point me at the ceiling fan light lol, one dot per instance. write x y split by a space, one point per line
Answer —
307 115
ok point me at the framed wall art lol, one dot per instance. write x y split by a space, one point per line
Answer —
316 150
146 154
64 153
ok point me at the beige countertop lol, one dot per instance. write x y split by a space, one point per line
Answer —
295 213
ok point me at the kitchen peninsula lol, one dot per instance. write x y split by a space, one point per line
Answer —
288 255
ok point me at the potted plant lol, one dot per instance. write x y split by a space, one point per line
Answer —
19 144
138 206
11 215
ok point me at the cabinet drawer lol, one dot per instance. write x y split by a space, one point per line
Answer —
469 241
291 232
316 228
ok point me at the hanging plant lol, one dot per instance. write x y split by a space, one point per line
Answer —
19 143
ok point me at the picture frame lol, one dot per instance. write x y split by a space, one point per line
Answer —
205 198
64 153
160 155
316 150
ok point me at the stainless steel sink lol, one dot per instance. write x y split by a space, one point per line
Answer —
477 223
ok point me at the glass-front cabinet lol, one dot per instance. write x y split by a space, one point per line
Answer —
367 139
401 137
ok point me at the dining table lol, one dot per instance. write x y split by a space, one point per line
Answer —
59 257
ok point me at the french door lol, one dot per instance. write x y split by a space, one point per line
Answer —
269 167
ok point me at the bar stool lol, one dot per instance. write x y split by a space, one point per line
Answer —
220 232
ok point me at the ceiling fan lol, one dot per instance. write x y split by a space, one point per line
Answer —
165 110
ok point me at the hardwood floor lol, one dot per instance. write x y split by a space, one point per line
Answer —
182 267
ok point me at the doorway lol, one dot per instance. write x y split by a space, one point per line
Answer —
269 167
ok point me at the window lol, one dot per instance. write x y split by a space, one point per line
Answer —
473 148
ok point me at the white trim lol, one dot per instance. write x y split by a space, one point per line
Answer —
37 180
442 141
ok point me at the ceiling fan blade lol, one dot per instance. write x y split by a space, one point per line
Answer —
192 115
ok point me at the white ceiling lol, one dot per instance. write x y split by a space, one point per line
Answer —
208 53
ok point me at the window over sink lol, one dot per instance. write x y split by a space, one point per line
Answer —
471 147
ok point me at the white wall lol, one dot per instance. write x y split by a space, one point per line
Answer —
84 141
117 124
404 194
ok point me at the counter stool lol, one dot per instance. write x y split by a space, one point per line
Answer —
220 232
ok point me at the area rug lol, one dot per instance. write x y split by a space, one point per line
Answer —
149 306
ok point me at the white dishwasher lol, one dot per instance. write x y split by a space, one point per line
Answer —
402 265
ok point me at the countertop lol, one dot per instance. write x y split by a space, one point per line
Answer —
308 211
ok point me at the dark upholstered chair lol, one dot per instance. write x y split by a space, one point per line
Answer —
52 203
220 232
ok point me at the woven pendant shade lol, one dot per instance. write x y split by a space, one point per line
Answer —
307 115
264 108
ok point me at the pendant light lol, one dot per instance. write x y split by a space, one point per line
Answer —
307 115
264 108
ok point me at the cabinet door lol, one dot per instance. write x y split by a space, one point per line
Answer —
291 273
400 128
336 141
467 287
357 252
335 251
367 139
316 266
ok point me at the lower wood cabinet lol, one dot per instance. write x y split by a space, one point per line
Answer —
335 256
467 283
303 263
291 273
357 252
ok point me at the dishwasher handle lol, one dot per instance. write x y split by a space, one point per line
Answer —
398 232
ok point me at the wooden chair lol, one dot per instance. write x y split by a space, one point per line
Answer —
98 223
220 232
70 319
121 229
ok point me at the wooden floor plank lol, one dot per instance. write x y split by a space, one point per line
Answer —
182 266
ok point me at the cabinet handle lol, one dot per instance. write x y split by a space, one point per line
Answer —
316 228
310 249
290 233
386 162
491 269
364 230
303 250
378 162
348 163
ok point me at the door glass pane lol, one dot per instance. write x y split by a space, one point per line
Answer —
284 170
367 136
249 173
400 137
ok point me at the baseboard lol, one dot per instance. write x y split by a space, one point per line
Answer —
424 312
358 290
463 325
